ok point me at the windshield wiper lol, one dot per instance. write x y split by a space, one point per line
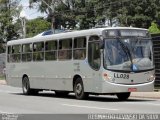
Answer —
126 50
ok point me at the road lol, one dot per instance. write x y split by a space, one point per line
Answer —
12 101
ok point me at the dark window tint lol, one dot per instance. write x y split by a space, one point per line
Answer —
14 53
94 52
38 51
27 52
51 50
65 49
79 51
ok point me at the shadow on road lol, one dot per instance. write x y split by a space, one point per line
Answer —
107 98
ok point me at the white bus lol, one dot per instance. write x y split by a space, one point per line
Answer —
113 60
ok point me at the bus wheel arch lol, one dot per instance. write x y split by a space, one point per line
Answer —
26 86
123 96
24 75
78 88
75 78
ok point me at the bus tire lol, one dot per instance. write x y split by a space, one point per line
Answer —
123 96
79 89
26 87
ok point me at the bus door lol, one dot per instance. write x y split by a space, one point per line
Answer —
94 60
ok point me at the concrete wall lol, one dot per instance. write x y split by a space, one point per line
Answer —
2 63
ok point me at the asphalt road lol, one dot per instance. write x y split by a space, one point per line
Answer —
46 104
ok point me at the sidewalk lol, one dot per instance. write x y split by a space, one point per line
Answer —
153 95
2 82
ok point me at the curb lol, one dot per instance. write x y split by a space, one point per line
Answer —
3 82
152 95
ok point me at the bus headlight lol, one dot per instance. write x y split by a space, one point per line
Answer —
106 77
151 78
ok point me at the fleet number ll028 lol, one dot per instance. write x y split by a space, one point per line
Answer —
124 76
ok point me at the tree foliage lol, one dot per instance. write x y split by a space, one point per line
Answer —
154 28
89 13
7 14
36 26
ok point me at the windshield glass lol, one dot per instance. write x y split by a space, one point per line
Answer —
128 53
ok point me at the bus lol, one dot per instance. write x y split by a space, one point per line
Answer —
99 61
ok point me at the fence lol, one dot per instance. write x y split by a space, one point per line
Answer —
156 53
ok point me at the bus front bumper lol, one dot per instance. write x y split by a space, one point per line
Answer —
108 87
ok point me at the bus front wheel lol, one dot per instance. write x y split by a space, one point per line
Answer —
79 89
26 87
123 96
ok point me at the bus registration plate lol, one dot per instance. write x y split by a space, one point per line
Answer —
132 89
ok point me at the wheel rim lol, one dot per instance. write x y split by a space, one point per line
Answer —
79 89
25 85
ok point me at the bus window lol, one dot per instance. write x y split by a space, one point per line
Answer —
38 51
16 53
65 49
94 52
27 52
51 50
79 51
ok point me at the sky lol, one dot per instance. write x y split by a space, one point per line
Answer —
28 12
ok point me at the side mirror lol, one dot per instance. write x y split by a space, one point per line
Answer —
102 44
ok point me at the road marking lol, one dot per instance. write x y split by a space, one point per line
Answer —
2 112
90 107
153 104
145 103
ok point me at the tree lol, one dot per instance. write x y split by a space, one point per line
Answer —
84 14
154 28
47 6
36 26
7 28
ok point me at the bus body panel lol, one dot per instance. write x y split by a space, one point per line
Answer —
59 74
48 75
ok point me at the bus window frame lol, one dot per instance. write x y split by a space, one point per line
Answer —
51 50
65 51
79 49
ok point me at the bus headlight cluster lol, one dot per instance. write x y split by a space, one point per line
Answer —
107 77
151 78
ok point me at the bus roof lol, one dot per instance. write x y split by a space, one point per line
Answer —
95 31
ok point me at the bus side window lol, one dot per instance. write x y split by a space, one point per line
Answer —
38 51
51 50
65 49
16 53
26 52
79 51
94 52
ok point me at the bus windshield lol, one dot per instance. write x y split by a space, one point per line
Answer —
128 54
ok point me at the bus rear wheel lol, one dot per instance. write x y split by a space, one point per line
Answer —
79 89
123 96
26 87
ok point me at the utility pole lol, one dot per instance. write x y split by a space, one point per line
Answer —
23 23
52 13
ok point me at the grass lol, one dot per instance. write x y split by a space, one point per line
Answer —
2 77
